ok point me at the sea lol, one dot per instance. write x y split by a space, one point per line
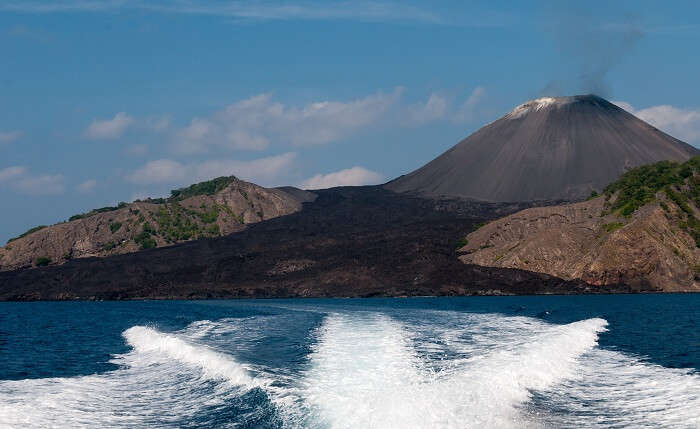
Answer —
608 361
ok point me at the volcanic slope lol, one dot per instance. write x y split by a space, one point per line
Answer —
644 231
207 209
547 149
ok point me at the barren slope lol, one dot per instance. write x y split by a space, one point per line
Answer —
649 241
547 149
209 209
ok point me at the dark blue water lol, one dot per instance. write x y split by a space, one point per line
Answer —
552 361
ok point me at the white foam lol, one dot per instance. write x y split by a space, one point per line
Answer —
367 369
163 380
614 390
148 342
366 373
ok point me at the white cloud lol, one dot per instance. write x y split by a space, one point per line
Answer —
159 171
20 179
683 124
466 111
262 170
44 184
109 129
625 105
366 11
158 123
9 173
166 171
433 109
9 136
254 123
87 186
354 176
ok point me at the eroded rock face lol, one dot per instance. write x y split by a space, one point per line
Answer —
578 241
122 231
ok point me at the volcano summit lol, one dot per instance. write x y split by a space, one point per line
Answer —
552 148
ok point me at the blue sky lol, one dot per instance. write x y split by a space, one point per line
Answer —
110 100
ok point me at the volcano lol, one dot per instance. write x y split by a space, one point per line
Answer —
552 148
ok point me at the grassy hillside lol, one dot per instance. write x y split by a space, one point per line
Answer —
679 183
207 209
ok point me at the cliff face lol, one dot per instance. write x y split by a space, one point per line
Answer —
191 213
603 241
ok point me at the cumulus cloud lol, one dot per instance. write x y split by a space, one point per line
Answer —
467 110
86 186
433 109
167 171
10 173
254 123
354 176
259 121
683 124
262 170
109 129
20 179
9 136
158 123
45 184
158 171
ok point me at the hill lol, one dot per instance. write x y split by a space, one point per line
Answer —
643 231
553 148
208 209
350 242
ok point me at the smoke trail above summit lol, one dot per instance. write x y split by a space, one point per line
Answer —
589 48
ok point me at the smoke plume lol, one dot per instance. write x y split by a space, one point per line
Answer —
590 48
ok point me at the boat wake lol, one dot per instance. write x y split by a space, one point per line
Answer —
367 370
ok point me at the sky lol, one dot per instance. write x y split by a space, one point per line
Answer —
103 101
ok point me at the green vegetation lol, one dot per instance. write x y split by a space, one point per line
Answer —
209 216
213 230
29 231
594 194
478 225
42 261
638 186
613 226
109 246
230 212
679 182
121 205
114 226
462 242
175 223
144 239
204 188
